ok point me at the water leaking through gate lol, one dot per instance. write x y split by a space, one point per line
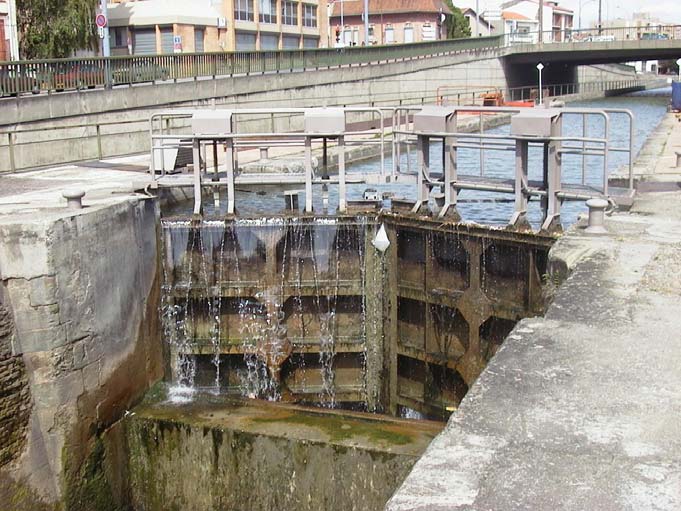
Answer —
304 309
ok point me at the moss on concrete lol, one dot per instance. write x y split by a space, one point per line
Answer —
340 429
86 487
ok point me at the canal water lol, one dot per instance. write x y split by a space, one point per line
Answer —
496 209
486 207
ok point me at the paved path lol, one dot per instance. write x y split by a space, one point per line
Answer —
581 409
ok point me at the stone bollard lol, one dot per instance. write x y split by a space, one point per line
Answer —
74 198
439 200
596 216
264 153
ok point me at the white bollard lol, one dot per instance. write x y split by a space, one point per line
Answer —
596 216
73 198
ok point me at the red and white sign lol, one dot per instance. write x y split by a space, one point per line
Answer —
100 20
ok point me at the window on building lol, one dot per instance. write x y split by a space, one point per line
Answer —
290 42
145 41
167 43
268 11
347 36
245 41
269 41
199 34
408 33
309 15
310 42
389 35
118 37
428 32
243 10
289 12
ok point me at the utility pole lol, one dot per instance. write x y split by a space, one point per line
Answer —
541 21
342 24
366 22
103 31
106 45
600 21
477 18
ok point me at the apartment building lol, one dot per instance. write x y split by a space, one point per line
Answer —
390 21
557 21
9 42
177 26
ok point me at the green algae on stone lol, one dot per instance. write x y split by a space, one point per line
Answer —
341 429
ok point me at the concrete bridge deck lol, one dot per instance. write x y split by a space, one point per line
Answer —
579 409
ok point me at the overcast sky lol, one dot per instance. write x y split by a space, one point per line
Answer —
668 11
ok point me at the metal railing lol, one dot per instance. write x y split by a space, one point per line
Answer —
34 76
595 35
449 95
28 147
554 187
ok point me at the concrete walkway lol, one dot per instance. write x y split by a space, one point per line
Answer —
581 409
655 166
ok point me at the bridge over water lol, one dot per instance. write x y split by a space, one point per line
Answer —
574 47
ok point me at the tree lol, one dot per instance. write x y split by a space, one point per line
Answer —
456 23
55 28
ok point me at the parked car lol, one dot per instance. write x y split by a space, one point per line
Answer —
653 36
68 75
601 38
13 82
138 71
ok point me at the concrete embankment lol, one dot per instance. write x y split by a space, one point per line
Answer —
226 453
579 409
79 337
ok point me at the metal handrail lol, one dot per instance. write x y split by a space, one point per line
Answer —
552 188
48 75
26 76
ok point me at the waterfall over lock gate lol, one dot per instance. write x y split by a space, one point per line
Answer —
273 308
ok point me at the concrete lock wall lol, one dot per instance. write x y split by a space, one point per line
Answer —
176 464
403 83
81 291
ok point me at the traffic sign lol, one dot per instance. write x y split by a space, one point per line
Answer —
100 20
100 32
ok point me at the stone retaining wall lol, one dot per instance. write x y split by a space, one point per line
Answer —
15 398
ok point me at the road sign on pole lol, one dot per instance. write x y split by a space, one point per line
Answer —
540 66
100 20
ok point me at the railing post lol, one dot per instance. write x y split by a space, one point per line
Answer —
10 145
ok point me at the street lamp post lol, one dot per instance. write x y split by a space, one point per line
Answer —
540 66
366 22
